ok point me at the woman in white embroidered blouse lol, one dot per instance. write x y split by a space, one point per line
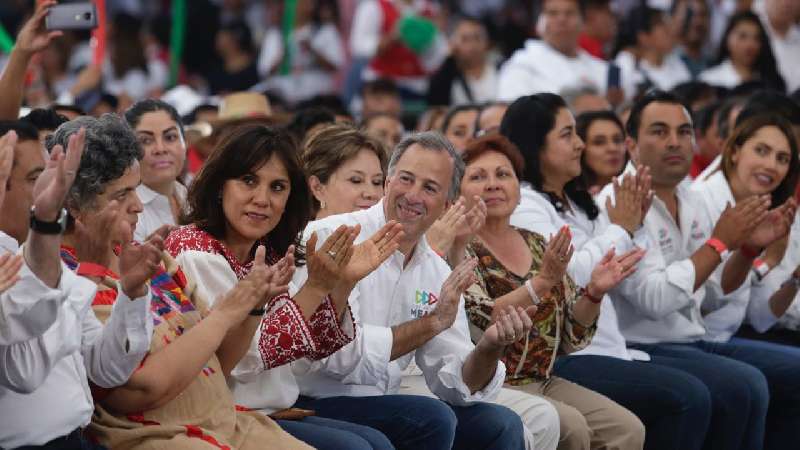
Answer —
159 130
252 192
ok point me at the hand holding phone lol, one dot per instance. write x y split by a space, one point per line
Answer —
72 16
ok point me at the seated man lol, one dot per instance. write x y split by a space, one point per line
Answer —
410 308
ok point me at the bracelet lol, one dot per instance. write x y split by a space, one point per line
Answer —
761 268
258 312
750 252
87 269
591 297
534 298
719 247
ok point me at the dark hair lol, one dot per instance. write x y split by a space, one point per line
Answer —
705 117
111 148
723 124
308 118
744 131
129 52
332 103
641 19
380 86
582 124
495 142
241 33
44 119
765 64
71 108
192 116
243 150
134 114
693 91
25 131
454 111
526 124
653 95
770 101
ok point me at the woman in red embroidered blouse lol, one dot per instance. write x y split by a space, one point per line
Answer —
252 191
178 398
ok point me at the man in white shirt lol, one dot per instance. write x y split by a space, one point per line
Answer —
556 62
49 360
406 312
660 305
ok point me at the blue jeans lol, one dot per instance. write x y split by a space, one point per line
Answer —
739 393
417 422
674 406
329 434
780 364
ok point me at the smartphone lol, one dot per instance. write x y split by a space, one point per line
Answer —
614 80
72 16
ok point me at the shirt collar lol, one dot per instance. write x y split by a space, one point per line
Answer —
147 195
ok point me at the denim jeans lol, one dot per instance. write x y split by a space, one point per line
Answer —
417 422
739 393
329 434
674 405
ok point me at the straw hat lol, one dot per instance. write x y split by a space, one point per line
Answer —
242 105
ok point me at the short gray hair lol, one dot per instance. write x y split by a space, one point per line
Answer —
111 148
432 140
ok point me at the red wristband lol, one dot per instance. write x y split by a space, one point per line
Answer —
717 245
750 253
591 297
87 269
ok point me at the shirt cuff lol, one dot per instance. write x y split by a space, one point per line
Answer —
451 376
136 330
681 274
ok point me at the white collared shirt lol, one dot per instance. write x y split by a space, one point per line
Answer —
778 275
392 295
156 210
44 393
538 67
723 75
591 239
723 317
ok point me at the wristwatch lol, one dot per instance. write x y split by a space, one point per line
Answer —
56 227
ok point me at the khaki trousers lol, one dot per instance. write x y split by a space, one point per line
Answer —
588 420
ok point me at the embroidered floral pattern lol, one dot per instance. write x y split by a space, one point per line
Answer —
285 335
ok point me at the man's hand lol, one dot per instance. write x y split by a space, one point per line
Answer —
34 37
138 264
53 184
736 224
7 144
449 297
10 266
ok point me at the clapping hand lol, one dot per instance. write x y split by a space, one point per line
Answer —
462 277
55 181
370 254
611 270
7 144
556 257
10 266
457 223
278 276
776 225
512 324
736 224
326 265
138 264
632 199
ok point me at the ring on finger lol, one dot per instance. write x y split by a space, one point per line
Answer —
332 254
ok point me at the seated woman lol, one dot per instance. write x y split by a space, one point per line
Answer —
178 398
252 192
159 130
459 125
345 168
605 155
666 399
517 267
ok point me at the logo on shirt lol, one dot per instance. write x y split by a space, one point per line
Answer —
697 233
664 240
423 303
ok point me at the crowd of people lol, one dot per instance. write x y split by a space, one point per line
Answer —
590 239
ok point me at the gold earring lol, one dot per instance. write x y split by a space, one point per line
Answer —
322 204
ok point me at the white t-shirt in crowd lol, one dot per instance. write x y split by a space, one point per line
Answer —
723 75
483 89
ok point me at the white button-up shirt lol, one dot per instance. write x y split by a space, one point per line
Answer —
658 303
44 390
391 295
592 239
156 210
723 75
778 275
538 67
724 317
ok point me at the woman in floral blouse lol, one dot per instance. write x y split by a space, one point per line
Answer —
518 267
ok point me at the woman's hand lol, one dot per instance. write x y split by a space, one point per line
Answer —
326 265
632 199
611 270
275 278
556 258
512 324
370 254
